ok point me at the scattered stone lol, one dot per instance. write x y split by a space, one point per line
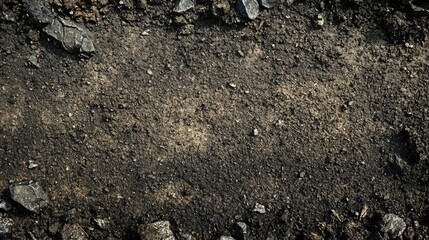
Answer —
156 230
149 72
255 132
38 11
267 3
30 195
73 37
248 8
5 227
259 208
32 164
232 85
226 238
73 232
6 206
146 32
32 61
240 230
301 174
183 5
102 223
393 226
320 20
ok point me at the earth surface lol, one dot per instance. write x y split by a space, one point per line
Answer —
196 118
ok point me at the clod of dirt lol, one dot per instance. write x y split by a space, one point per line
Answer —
267 3
156 230
393 226
38 11
73 231
30 195
73 37
183 5
248 8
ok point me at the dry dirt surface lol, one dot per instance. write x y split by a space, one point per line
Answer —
316 110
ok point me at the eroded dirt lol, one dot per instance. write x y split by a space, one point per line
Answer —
159 127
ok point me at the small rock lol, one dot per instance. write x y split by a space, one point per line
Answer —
301 174
393 226
183 5
5 205
255 132
149 72
399 163
29 195
156 230
32 60
5 227
32 164
232 85
73 232
187 236
267 3
102 223
73 37
248 8
146 32
320 20
226 238
38 11
259 208
220 7
240 230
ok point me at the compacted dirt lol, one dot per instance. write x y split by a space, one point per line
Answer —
160 123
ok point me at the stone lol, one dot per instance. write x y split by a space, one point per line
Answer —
220 7
5 227
38 11
73 37
267 3
259 208
240 230
6 206
33 62
73 232
226 238
393 226
30 195
255 132
320 20
102 223
183 5
158 230
248 8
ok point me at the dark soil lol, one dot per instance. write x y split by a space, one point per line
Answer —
160 127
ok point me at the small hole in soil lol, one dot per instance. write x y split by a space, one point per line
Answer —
405 147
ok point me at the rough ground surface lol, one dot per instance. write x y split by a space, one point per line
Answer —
159 127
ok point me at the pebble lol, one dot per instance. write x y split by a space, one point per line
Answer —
255 132
30 195
73 232
248 8
5 205
156 230
393 226
226 238
240 230
32 60
32 164
149 72
5 227
102 223
259 208
267 3
232 85
320 20
183 5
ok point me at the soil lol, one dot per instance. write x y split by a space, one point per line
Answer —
160 126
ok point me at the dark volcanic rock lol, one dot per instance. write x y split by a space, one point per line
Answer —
38 11
29 195
73 37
